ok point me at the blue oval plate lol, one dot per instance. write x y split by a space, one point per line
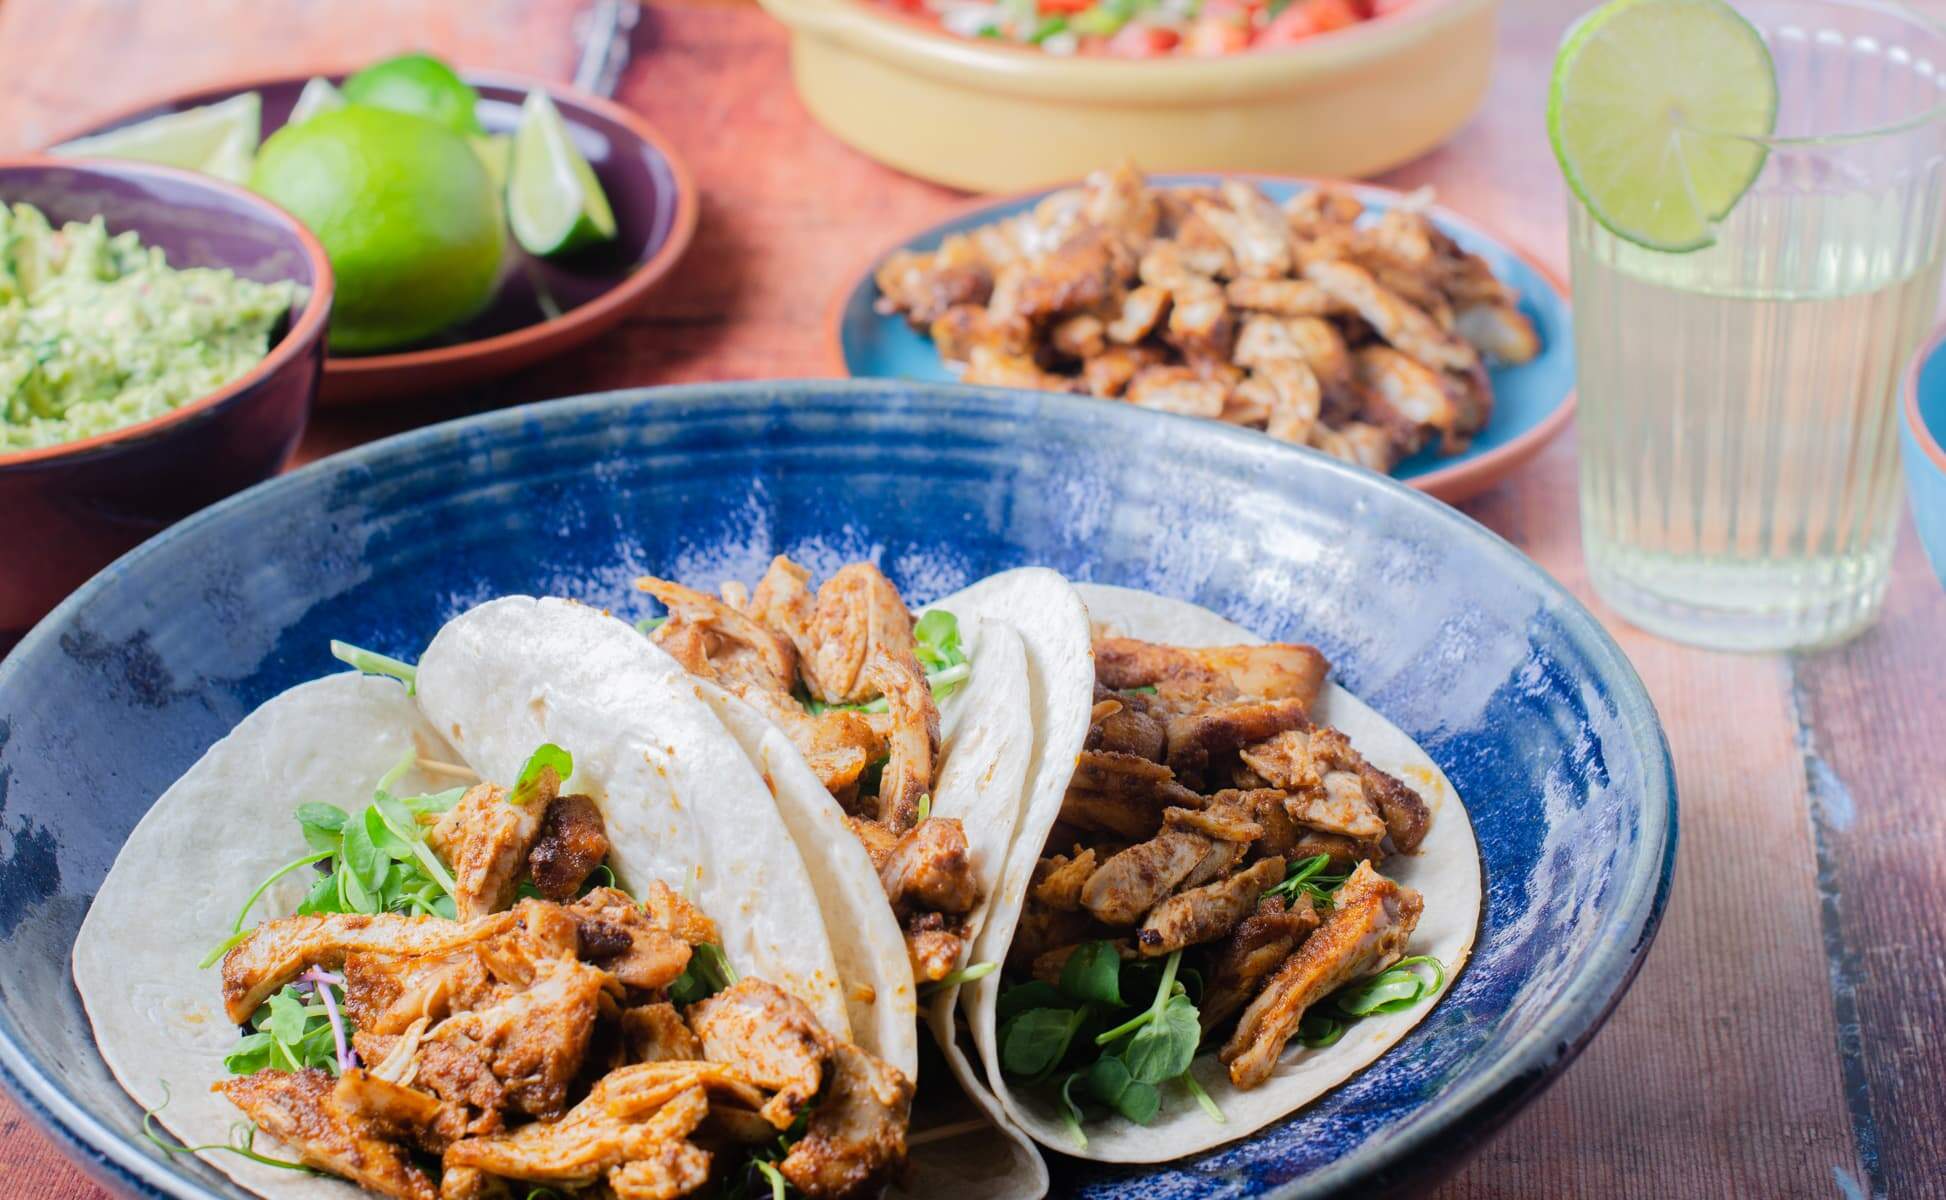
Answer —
1505 680
1532 402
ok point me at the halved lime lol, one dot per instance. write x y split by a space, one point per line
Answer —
554 201
217 139
1658 112
419 84
319 96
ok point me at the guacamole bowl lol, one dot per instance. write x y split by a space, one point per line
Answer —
72 507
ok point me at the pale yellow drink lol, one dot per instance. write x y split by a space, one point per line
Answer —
1740 479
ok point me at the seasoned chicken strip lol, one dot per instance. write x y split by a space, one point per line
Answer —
1058 880
1272 671
277 951
400 1112
1130 883
772 1040
929 868
1281 297
1253 950
1371 919
855 1142
298 1109
485 839
656 1033
913 746
744 653
1405 326
616 934
1205 913
635 1113
521 1054
1195 737
573 841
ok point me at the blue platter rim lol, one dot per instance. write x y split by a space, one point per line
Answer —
1443 1132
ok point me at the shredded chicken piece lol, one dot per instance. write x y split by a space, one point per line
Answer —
276 951
520 1054
298 1108
618 935
634 1114
1131 882
1195 738
1270 671
1058 880
929 867
656 1033
1255 948
673 914
1203 914
913 746
485 839
573 841
399 1111
1371 919
772 1040
855 1142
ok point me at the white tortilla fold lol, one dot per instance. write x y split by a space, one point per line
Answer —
865 936
187 868
681 803
1446 870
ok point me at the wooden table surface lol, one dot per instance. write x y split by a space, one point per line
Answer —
1785 1036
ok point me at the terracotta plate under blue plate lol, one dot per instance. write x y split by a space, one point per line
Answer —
1532 402
543 306
1508 683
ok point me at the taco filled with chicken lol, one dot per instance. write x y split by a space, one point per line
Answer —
1232 886
366 943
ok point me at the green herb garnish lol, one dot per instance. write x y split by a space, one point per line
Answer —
373 663
289 1032
528 782
966 974
243 1140
1307 876
709 972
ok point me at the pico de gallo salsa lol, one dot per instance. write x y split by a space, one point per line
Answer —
1145 28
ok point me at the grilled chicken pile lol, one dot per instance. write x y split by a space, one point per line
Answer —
1364 342
848 643
1187 805
535 1040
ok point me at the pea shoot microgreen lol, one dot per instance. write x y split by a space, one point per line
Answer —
291 1031
966 974
1306 876
373 663
243 1140
375 862
547 756
709 972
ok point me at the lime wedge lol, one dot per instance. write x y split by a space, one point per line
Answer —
554 202
217 139
319 96
1658 111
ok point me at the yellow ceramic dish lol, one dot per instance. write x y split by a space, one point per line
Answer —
991 117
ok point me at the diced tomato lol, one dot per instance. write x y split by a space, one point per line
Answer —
1213 37
1064 7
1308 18
1142 41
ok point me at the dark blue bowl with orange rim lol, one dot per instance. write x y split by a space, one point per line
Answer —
67 510
1452 634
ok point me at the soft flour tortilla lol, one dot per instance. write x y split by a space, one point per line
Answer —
176 886
1446 870
986 747
681 802
865 936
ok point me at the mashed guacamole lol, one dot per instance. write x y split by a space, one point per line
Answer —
97 332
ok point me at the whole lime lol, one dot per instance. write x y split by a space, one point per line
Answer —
407 214
418 84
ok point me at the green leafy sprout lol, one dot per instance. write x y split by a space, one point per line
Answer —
373 663
375 862
545 757
243 1140
709 972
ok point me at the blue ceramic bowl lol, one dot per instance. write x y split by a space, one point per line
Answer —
1505 679
1922 438
1532 402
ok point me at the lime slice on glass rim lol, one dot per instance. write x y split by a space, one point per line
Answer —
1659 112
217 139
554 202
